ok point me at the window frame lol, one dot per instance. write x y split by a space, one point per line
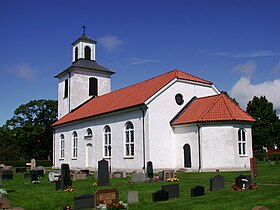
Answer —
87 51
89 134
242 142
66 88
129 140
74 145
107 142
62 147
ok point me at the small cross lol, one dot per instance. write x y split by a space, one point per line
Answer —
84 29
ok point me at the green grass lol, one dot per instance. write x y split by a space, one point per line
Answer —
44 196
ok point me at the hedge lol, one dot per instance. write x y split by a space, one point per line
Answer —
21 163
268 156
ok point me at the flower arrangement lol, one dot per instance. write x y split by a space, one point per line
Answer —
3 193
112 206
67 207
172 180
251 186
69 189
94 184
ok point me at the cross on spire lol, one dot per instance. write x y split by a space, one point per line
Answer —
84 29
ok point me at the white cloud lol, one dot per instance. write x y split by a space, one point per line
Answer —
258 53
24 71
246 69
136 61
244 91
110 42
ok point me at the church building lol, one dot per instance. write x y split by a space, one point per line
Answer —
176 120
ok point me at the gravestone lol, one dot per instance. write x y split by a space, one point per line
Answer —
160 195
103 173
132 197
197 191
34 175
150 172
254 167
65 179
33 164
119 174
106 196
168 174
172 189
95 175
85 201
79 175
138 177
217 183
5 203
242 181
160 175
7 174
53 177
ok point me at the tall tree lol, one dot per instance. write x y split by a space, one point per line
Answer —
30 128
266 129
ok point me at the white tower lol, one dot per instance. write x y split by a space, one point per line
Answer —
84 79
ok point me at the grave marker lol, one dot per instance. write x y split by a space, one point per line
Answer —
65 179
197 191
150 172
85 201
132 197
242 181
103 173
172 189
106 196
138 177
254 167
217 183
160 195
168 174
33 164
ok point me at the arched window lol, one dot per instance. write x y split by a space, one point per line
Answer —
107 141
88 135
242 141
93 86
87 53
62 146
76 53
75 145
129 139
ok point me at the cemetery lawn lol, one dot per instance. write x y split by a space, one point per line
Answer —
44 196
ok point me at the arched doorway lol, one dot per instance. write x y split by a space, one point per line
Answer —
187 156
89 155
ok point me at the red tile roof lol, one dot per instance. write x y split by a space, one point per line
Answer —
130 96
212 108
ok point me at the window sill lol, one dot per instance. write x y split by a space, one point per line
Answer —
128 157
74 158
61 159
243 156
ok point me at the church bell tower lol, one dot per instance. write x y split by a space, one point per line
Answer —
85 79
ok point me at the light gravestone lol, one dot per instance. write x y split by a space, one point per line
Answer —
132 197
217 183
168 174
172 189
33 164
254 167
138 177
150 171
103 173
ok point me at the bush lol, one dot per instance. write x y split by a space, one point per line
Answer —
21 163
268 156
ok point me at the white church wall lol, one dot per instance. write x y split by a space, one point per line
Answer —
219 148
117 124
63 103
161 111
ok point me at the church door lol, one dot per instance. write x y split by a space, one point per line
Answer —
89 155
187 156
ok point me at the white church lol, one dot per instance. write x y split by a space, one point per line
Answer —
176 120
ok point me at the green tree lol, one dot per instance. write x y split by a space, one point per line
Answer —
30 129
265 130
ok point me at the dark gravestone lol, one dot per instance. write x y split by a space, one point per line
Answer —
197 191
217 183
34 176
85 201
150 172
65 179
172 189
160 195
242 181
7 174
103 173
254 167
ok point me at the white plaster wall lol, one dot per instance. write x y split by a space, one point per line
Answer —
117 125
63 103
219 146
186 135
161 111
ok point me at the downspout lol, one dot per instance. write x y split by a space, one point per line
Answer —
143 133
199 147
53 158
69 75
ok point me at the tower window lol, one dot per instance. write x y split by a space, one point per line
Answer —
66 88
93 84
87 53
76 53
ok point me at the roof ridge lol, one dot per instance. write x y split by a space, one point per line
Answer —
227 106
210 107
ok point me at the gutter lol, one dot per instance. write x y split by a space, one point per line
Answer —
143 133
199 147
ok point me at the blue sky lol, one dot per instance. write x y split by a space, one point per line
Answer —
233 43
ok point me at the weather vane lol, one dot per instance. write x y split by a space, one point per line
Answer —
84 29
